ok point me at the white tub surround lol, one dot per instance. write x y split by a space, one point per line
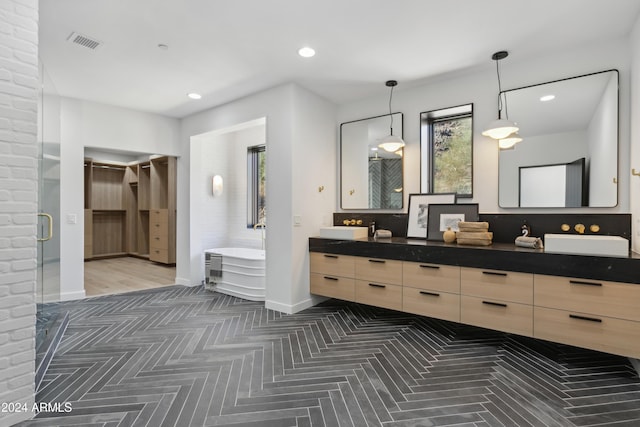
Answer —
242 272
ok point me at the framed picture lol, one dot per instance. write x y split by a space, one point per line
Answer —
442 216
419 212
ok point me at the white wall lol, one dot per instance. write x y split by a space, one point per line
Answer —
635 135
300 136
221 221
87 124
479 86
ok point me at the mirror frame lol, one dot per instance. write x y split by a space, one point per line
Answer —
551 161
342 184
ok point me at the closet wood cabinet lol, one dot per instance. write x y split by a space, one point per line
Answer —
119 201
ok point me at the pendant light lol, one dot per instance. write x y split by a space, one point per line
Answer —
391 143
500 128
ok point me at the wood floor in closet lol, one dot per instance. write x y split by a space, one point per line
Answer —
126 274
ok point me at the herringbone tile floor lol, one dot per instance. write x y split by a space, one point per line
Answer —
180 356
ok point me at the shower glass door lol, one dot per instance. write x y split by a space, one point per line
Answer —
48 250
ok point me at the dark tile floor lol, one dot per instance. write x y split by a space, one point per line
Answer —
182 356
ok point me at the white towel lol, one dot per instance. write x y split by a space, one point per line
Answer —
529 242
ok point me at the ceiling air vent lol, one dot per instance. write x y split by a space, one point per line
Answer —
85 41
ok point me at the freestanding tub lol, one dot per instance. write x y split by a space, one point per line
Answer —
243 272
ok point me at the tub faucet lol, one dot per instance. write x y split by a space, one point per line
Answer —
261 225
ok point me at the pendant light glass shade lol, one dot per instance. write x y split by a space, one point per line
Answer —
391 143
500 129
510 141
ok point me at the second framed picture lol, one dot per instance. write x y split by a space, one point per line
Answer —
443 216
419 212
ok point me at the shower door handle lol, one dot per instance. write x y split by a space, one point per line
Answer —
50 229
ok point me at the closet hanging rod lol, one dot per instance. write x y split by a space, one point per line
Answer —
119 168
145 166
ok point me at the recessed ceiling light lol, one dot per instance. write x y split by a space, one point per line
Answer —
193 95
547 98
306 52
162 46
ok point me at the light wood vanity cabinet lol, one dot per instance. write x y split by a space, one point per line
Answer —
500 300
379 282
431 290
595 314
333 276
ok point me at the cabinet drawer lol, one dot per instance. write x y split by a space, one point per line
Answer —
379 270
496 314
445 278
159 255
336 265
158 216
158 239
586 330
379 294
432 303
502 285
612 299
332 286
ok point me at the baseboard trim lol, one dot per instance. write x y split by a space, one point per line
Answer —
289 308
185 282
70 296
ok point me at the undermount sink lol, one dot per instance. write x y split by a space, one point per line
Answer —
344 232
582 244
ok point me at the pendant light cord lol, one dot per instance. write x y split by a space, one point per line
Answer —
506 113
391 115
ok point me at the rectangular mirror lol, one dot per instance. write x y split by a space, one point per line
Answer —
562 122
370 177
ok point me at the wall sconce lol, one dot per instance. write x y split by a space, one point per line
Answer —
217 185
501 128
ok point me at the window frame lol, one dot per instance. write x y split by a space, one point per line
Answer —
253 185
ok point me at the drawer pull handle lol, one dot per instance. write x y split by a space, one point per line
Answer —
331 278
494 273
378 261
580 282
431 294
331 256
497 304
435 267
375 285
590 319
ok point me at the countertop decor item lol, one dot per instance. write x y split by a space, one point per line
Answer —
449 236
419 212
442 216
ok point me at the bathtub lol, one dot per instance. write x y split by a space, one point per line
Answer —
243 273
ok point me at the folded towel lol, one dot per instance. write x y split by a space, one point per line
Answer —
213 263
470 226
474 242
529 242
474 235
382 234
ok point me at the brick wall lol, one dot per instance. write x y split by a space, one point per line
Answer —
18 203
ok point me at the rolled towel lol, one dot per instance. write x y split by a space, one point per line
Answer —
382 234
529 242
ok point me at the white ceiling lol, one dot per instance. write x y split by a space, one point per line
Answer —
226 49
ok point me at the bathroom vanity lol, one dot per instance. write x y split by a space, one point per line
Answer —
585 301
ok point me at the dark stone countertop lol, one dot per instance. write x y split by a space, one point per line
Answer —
499 256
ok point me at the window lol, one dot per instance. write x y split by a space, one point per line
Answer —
256 188
448 134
